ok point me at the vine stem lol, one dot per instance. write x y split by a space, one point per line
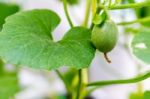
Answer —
126 6
1 67
97 12
87 13
110 2
79 83
147 19
107 12
125 81
66 13
82 73
62 78
107 58
140 84
94 8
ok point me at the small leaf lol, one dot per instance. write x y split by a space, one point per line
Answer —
6 10
141 45
70 77
26 39
147 95
8 86
99 19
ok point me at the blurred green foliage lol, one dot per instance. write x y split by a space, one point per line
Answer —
142 12
136 96
6 10
1 67
8 86
147 95
8 81
72 2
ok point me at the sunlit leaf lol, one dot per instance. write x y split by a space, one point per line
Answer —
26 39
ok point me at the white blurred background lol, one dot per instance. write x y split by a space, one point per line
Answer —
39 84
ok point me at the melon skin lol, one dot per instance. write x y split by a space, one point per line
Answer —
105 36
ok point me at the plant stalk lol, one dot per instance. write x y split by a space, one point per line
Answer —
127 6
62 78
87 13
79 84
146 19
67 13
125 81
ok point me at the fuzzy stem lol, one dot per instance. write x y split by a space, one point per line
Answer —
146 19
94 8
62 78
1 67
79 84
87 13
127 6
66 13
125 81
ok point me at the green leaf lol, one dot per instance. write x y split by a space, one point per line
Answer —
136 96
99 19
8 86
70 77
6 10
26 39
141 45
147 95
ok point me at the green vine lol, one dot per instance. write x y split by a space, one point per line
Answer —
125 81
87 13
126 6
142 20
66 12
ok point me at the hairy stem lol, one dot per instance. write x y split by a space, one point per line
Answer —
125 81
127 6
62 78
79 84
66 13
94 8
146 19
87 13
1 67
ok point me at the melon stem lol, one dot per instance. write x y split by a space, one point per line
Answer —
107 58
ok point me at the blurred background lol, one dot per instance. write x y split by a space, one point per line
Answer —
38 84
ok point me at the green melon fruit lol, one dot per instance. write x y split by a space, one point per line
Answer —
104 37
